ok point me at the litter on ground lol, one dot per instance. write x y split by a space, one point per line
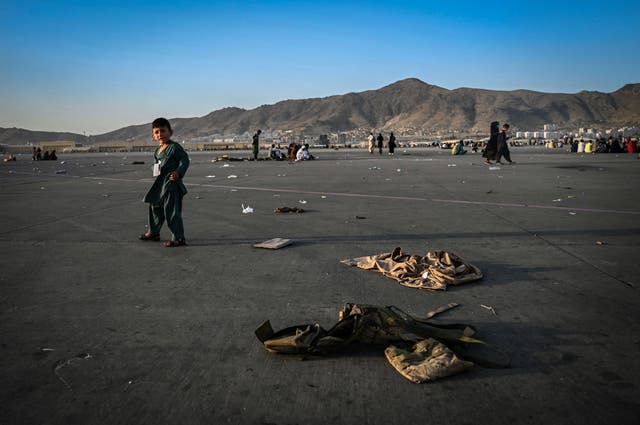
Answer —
443 268
282 210
491 309
247 209
275 243
426 351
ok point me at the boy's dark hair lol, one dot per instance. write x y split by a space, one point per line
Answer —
505 125
161 122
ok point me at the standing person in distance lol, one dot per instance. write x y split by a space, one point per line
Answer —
256 144
392 143
380 140
502 146
166 193
371 141
492 145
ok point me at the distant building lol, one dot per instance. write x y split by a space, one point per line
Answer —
58 146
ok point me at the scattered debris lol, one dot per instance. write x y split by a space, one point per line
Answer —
557 200
62 162
572 213
282 175
571 196
490 191
441 309
375 168
232 176
494 168
226 165
436 351
210 176
247 209
399 170
491 309
359 217
137 162
62 363
61 171
302 201
601 243
282 210
451 165
323 197
444 268
275 243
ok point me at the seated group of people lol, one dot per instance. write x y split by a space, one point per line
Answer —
604 146
295 152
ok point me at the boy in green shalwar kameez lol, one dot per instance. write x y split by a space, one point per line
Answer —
165 196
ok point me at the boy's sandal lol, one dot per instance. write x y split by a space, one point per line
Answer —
149 237
172 244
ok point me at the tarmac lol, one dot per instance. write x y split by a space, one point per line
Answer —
98 327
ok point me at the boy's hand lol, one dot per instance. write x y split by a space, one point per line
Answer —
174 175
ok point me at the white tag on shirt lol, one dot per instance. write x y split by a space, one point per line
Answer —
156 169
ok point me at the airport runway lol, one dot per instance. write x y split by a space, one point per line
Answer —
100 328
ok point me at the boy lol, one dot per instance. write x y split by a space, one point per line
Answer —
502 146
165 196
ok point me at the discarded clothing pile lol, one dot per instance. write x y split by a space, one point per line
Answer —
425 351
282 210
435 271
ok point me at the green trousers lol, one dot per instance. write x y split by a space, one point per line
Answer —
170 210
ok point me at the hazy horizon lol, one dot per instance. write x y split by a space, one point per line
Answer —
99 67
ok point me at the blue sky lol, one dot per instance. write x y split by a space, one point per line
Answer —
96 66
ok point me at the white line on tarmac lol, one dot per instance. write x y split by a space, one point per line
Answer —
359 195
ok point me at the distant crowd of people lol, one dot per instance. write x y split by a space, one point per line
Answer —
39 156
602 145
379 142
295 152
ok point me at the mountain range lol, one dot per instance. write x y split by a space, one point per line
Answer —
406 103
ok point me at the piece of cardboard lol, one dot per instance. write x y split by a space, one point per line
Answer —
275 243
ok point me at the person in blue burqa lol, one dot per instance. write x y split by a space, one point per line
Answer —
165 196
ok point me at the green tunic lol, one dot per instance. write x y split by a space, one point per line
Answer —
172 158
165 196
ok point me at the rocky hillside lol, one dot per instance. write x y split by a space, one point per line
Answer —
406 103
